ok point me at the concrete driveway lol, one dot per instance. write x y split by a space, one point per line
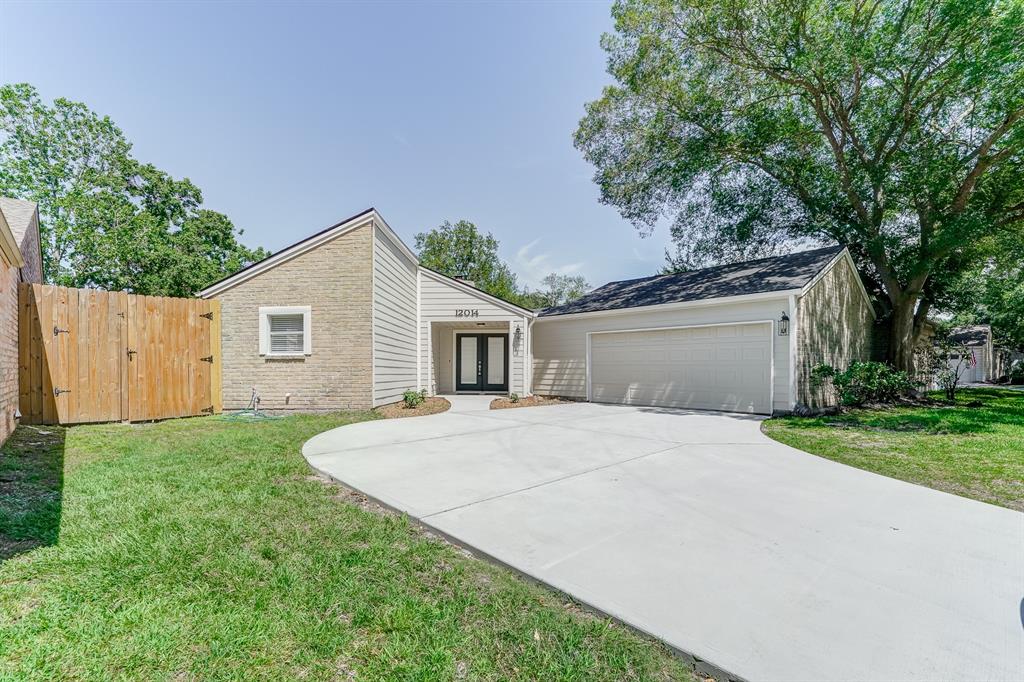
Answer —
767 562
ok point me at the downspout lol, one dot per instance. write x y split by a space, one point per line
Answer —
528 368
794 330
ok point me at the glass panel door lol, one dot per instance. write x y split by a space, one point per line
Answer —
495 360
468 377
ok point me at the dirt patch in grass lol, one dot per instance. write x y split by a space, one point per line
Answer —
531 401
432 405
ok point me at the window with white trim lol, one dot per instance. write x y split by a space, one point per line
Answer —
285 331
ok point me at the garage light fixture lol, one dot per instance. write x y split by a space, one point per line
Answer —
784 324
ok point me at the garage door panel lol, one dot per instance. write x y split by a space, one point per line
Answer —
716 367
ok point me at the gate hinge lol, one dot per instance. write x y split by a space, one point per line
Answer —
208 315
58 391
208 410
57 330
208 358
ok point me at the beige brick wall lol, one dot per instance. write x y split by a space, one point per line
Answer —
26 235
834 327
32 271
336 280
8 347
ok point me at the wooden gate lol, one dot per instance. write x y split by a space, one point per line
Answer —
96 356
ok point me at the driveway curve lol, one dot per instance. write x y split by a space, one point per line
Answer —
762 560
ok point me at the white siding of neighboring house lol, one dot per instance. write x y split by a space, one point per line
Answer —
560 344
439 301
394 320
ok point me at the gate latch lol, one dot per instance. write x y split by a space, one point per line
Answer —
57 330
131 353
208 358
58 391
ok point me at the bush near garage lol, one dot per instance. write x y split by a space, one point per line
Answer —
1016 375
866 382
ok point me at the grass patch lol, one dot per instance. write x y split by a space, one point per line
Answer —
203 549
976 452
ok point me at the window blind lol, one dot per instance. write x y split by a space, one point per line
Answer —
286 333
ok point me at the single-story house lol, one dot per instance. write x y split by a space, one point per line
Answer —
348 318
988 362
20 261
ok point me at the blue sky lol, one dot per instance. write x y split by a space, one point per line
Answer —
291 117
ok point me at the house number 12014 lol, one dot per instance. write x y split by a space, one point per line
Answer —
467 312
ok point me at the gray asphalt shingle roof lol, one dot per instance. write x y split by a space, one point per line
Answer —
779 273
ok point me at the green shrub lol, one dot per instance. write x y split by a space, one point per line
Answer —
514 397
414 398
1016 375
865 382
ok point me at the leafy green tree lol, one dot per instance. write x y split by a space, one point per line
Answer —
895 127
558 290
107 220
460 250
992 294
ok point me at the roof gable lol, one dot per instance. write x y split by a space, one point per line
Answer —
368 216
778 274
480 293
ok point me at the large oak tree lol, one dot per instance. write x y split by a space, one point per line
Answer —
893 127
106 219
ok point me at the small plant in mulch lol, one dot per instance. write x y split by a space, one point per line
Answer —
421 405
414 399
515 400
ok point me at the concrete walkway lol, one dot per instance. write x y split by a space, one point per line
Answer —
765 561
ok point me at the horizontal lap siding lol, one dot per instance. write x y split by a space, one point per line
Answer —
394 321
439 301
560 345
834 328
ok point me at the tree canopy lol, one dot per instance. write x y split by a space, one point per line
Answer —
460 250
106 219
895 127
557 289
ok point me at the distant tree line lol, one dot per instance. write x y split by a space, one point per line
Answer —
461 250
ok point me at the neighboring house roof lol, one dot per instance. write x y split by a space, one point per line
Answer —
977 335
19 215
765 275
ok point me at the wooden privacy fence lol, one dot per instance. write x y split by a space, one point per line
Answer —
97 356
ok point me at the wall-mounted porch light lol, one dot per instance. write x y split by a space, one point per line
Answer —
784 324
517 339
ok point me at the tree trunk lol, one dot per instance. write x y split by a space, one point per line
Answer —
903 337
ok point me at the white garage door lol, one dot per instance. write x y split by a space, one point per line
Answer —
707 368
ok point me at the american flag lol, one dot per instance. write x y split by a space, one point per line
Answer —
972 361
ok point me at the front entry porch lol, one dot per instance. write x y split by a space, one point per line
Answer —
473 357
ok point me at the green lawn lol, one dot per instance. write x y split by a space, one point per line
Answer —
203 549
971 451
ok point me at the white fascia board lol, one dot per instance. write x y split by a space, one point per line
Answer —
451 281
843 255
681 305
394 238
291 252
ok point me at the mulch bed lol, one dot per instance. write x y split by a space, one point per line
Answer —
431 405
531 401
